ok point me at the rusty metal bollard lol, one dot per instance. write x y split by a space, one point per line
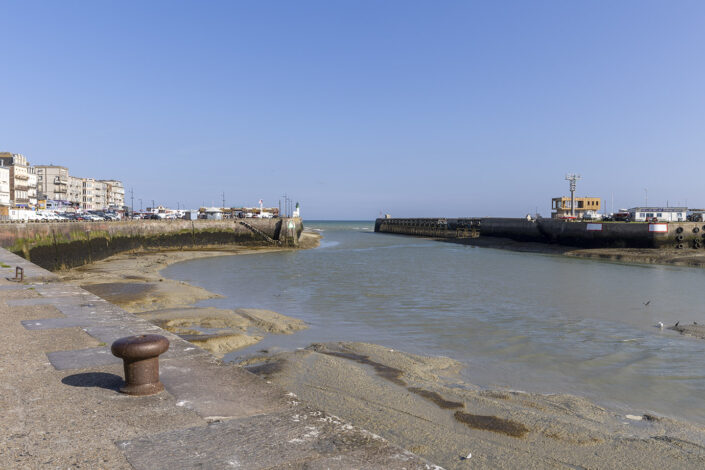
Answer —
140 355
19 275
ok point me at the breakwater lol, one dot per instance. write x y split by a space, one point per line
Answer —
679 235
67 244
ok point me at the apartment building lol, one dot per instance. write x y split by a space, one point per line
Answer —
115 194
100 195
4 190
32 186
21 183
52 182
75 191
87 193
28 185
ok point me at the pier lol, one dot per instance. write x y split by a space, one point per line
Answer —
662 235
58 245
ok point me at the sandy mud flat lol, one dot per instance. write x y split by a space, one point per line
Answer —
685 257
421 404
133 282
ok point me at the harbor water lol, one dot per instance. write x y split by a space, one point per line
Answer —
521 321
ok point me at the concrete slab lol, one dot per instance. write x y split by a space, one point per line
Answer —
82 358
305 439
13 287
232 392
51 323
31 302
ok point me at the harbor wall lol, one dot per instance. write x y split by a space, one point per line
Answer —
679 235
58 245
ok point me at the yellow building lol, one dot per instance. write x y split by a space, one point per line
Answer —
561 206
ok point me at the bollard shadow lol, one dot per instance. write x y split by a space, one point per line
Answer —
94 379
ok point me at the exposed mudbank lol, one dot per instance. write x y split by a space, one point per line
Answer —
693 329
133 282
683 257
422 404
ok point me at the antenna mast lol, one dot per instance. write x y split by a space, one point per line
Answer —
572 178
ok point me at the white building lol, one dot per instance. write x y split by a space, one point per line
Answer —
4 191
100 195
115 194
660 214
213 213
75 191
87 193
32 186
21 184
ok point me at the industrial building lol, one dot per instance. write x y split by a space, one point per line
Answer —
660 214
562 209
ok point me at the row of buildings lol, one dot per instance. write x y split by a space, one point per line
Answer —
587 208
25 186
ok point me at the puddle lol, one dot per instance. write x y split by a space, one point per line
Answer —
119 292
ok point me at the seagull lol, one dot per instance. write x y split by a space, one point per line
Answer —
647 303
660 325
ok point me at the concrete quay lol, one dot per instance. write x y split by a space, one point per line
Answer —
62 409
671 235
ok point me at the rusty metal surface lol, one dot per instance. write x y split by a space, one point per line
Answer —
140 355
19 275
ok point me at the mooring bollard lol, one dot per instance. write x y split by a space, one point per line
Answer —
19 275
140 355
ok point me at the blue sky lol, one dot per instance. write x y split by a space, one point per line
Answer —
358 107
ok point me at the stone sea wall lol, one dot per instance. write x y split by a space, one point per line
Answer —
67 244
679 235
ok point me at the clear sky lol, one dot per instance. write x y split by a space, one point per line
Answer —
414 108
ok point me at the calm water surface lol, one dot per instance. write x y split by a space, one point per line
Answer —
525 321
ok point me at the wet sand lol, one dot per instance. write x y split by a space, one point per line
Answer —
133 282
667 256
421 404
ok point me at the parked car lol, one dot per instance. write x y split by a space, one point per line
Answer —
590 215
622 217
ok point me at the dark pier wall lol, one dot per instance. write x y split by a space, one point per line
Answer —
612 234
67 244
